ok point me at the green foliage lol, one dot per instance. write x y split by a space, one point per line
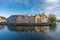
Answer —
52 18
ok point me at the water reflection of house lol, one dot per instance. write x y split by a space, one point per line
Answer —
24 18
2 19
40 29
2 27
26 29
20 28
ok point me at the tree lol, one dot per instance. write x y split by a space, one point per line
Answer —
52 18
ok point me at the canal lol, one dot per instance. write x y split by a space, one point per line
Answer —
30 32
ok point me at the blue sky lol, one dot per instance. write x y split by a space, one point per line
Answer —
31 7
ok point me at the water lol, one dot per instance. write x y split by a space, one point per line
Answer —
30 32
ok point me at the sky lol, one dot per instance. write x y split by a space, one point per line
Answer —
30 7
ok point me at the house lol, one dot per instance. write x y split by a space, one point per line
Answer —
12 19
2 19
40 29
37 18
40 18
31 19
24 18
43 18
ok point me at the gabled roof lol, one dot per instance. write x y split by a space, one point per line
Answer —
37 14
22 15
41 15
2 17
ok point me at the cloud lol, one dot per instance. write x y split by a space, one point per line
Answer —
52 1
55 9
51 8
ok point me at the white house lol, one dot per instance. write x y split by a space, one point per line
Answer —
2 19
23 18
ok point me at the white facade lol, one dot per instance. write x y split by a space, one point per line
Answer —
3 19
26 19
22 19
44 20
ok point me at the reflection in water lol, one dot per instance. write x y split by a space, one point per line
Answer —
52 28
31 28
2 27
40 29
27 28
20 28
29 33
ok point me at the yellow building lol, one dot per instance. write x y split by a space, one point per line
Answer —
37 18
